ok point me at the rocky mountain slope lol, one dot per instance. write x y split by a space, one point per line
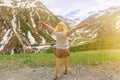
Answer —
19 31
105 29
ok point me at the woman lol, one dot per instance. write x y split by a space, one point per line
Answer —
62 48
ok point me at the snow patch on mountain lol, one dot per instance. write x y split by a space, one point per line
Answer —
6 39
69 22
118 25
87 31
26 4
8 2
110 10
93 34
33 23
7 5
38 14
31 38
43 40
100 14
39 48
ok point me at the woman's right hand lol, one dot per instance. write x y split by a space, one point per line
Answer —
40 22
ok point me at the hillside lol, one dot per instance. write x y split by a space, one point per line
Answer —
105 31
19 31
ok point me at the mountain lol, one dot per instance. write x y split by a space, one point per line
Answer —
105 31
69 22
19 31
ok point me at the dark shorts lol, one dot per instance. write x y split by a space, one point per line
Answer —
59 53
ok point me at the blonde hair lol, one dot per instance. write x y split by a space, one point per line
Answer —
61 27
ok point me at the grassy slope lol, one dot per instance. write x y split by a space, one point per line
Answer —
45 59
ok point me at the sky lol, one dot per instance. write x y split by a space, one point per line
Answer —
78 8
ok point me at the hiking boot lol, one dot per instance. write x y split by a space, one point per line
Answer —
65 72
56 78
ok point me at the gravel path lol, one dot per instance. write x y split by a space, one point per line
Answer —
110 71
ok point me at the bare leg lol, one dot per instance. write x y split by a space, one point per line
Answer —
66 64
58 61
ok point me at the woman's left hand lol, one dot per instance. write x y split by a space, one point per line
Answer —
87 24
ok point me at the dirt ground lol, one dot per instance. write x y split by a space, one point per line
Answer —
109 71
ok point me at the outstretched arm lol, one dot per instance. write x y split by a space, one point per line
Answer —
48 26
76 28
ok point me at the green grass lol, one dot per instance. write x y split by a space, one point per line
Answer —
48 59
